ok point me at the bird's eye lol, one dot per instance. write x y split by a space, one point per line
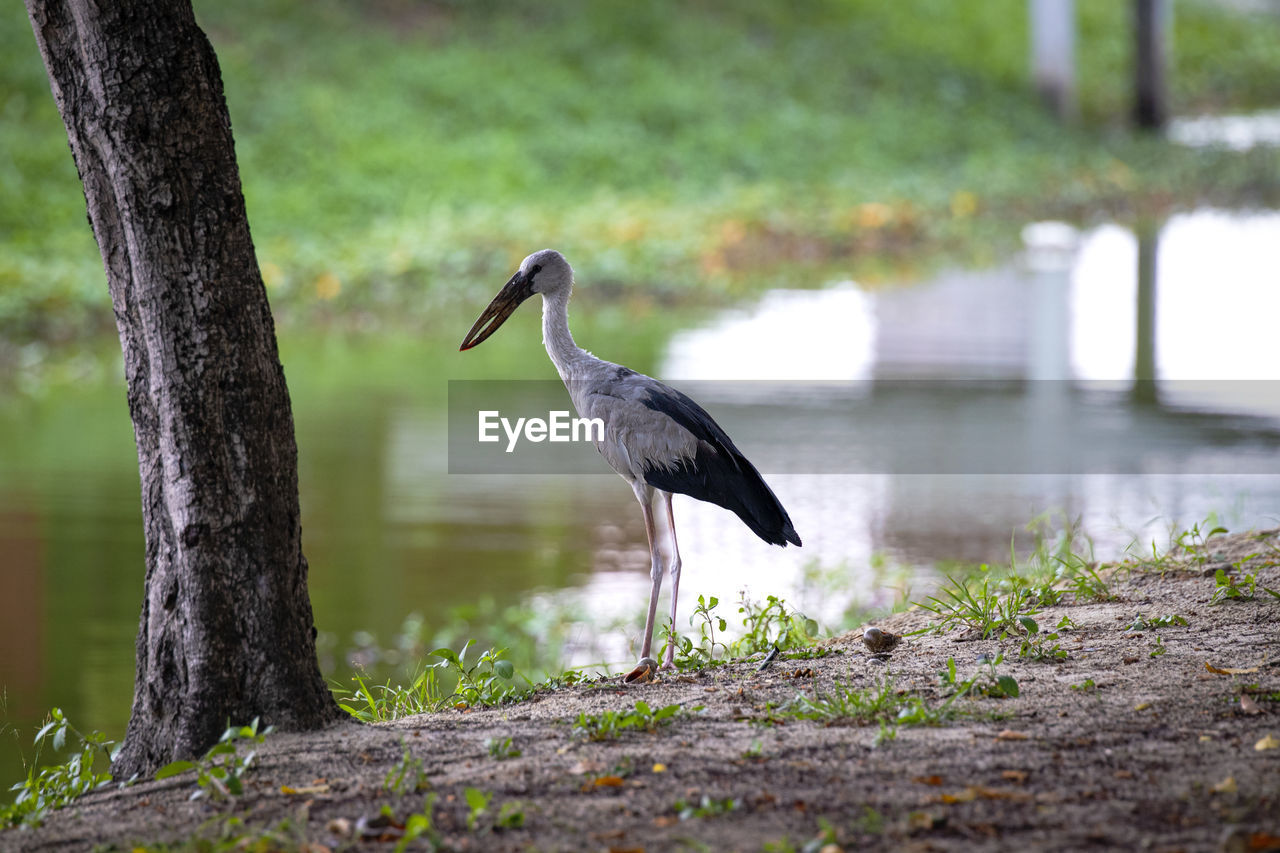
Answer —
535 269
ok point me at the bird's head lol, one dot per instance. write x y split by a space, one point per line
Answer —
545 272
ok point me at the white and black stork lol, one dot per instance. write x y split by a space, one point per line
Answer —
655 437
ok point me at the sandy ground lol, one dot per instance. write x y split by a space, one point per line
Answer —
1112 748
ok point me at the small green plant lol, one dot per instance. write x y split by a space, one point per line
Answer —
477 806
975 605
407 775
765 626
1036 646
772 624
871 822
220 771
1142 623
1227 588
381 703
754 750
419 825
480 815
502 748
1158 648
707 806
51 787
985 682
709 622
884 705
608 725
1086 686
880 702
232 834
1195 540
449 682
1084 582
487 682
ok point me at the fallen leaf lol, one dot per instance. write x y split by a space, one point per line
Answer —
665 820
1268 742
659 768
1010 734
1226 786
1123 774
308 789
1002 794
928 780
1228 670
608 782
608 835
973 792
1142 706
1249 705
1018 776
1263 841
1206 738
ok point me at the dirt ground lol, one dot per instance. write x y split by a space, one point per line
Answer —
1115 747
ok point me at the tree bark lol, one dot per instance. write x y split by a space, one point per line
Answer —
226 630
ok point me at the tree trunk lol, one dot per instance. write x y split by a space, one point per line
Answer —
226 630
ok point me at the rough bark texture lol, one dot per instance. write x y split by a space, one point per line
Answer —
226 627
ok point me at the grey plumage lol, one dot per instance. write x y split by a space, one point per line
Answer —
658 439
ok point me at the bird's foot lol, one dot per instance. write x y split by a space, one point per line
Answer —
644 671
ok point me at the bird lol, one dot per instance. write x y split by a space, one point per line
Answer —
879 642
658 439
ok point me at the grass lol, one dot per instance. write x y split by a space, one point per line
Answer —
502 748
52 786
1227 588
883 704
706 806
450 682
407 775
231 834
219 773
609 725
766 626
395 156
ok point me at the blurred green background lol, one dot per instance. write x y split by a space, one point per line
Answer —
395 152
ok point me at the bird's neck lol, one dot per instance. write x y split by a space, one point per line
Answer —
555 333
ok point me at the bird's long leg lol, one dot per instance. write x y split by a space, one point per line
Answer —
644 494
669 659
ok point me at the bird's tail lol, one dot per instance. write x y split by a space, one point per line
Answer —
731 481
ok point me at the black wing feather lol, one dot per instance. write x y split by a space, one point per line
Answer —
718 473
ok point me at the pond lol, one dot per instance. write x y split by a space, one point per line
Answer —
1126 380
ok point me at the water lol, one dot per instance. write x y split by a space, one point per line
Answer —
883 474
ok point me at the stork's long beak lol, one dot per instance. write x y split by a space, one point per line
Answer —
515 291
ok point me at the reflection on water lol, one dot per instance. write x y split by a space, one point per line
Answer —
1060 338
1234 132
